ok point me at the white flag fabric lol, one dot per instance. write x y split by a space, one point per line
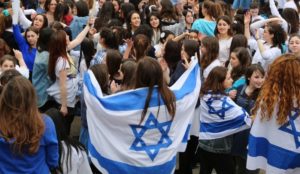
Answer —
275 148
119 144
220 117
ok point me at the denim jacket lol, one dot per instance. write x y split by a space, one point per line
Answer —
40 79
221 145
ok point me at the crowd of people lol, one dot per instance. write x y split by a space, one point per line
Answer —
248 52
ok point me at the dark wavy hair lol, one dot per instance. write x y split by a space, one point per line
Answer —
279 37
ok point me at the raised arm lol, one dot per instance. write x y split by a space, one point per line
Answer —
24 22
275 12
81 35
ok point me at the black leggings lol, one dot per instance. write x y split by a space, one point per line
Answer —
187 159
68 119
222 163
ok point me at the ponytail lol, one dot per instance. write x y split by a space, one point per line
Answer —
216 10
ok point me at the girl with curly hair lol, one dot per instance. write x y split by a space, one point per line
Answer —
275 130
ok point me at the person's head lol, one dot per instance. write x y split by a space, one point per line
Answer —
120 34
149 74
223 26
117 5
56 25
126 8
167 9
275 35
59 39
255 76
6 76
43 40
101 74
166 35
4 48
217 81
113 62
72 8
82 8
107 11
280 89
133 21
7 62
40 21
292 18
172 53
101 2
21 122
240 59
60 11
238 40
108 39
237 25
127 70
144 29
209 51
141 45
294 43
88 50
193 35
210 8
254 9
153 20
31 35
189 49
189 16
50 5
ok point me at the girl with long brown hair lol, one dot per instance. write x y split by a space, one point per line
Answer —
28 141
62 71
220 118
149 74
209 55
276 124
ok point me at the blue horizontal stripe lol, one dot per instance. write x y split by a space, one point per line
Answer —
115 167
276 156
135 100
217 127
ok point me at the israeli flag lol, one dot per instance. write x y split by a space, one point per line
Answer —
275 148
220 117
119 144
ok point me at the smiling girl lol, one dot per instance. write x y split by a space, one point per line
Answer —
224 34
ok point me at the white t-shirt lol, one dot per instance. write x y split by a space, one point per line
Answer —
224 48
71 83
211 66
79 161
290 4
267 57
281 3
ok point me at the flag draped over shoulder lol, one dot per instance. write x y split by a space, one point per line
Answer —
275 148
220 117
119 144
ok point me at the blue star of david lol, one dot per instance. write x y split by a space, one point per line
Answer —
292 130
221 112
151 149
